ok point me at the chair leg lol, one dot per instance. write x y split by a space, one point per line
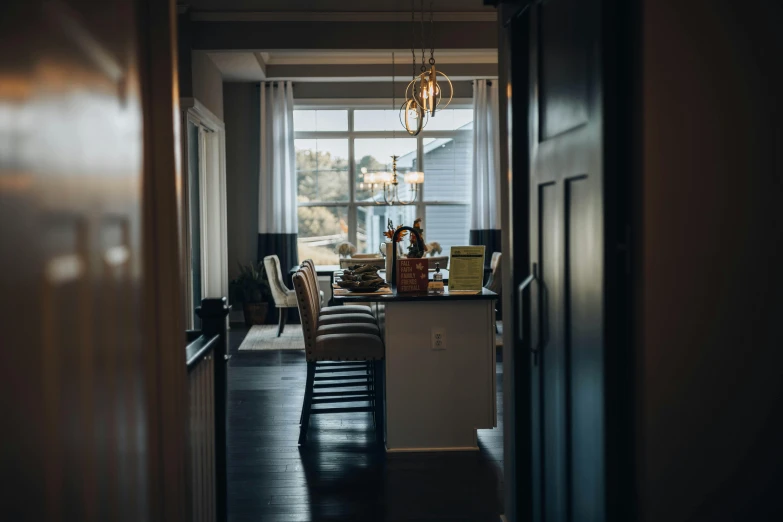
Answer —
371 385
379 395
281 320
308 400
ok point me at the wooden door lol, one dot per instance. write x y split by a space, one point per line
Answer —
84 411
568 253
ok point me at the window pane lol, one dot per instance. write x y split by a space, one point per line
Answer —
449 225
448 166
372 222
322 170
450 119
321 120
377 120
374 155
321 229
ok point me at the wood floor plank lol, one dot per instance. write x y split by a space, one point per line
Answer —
342 474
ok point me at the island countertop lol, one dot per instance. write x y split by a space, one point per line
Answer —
394 297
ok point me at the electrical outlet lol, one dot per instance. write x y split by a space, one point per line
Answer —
438 339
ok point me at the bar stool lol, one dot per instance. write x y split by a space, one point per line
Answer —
336 349
329 310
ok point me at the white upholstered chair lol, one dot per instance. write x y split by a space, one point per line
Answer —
443 262
284 298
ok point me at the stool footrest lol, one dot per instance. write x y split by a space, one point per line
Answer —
343 378
336 369
342 384
342 410
339 394
360 398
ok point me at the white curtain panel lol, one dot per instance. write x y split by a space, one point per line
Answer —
485 208
277 176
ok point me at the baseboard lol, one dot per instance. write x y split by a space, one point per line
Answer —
420 450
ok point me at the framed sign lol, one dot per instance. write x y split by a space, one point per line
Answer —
466 269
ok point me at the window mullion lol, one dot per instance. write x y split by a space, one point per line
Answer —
352 212
421 210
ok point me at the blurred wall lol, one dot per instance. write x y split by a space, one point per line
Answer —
711 361
241 116
207 84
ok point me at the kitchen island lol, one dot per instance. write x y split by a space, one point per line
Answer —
440 367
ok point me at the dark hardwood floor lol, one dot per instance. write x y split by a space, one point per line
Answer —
341 474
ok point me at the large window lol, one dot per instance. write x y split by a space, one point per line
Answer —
336 148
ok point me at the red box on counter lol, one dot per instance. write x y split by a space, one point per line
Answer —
412 276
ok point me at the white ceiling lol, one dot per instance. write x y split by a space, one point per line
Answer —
307 65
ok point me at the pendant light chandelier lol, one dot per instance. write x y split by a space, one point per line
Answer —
389 181
424 93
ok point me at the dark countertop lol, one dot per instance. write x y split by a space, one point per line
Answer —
446 296
325 270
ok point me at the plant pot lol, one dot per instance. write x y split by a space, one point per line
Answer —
255 313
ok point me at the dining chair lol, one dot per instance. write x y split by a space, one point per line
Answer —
495 282
443 262
284 298
348 262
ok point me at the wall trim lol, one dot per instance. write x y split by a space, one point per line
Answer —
323 16
365 103
200 110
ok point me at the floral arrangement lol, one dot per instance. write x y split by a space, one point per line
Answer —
413 248
434 248
345 249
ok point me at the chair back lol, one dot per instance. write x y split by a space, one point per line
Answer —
495 282
307 312
312 284
275 276
375 261
442 260
312 275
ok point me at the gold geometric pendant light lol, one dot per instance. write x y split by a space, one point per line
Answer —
424 93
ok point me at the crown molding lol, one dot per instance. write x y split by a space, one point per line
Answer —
444 56
323 16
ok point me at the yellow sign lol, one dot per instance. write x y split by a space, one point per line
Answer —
466 269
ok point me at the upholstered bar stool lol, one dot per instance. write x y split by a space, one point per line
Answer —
284 298
329 310
331 318
343 348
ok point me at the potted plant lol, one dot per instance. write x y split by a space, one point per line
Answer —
251 288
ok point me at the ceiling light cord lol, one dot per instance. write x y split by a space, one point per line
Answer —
413 37
423 43
432 35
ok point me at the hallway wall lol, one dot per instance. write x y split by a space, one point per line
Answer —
710 369
207 83
241 109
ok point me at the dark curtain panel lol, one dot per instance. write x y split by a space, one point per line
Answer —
281 245
490 238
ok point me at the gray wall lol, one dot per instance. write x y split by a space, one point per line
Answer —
207 83
241 113
710 308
